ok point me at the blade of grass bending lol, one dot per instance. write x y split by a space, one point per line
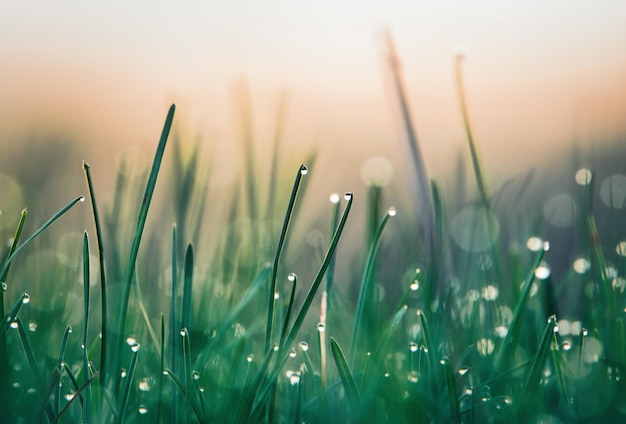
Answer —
87 403
478 173
453 401
141 222
104 329
281 241
352 392
11 316
515 327
539 362
74 382
68 404
178 383
365 292
127 386
250 294
40 230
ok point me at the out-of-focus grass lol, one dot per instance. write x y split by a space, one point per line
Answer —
485 321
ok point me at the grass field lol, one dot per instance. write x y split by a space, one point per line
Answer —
487 308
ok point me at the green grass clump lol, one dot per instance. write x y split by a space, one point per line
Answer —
166 332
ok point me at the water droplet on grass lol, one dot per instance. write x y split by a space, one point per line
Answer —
123 373
414 285
413 347
321 327
543 271
304 170
334 198
584 332
292 277
275 347
293 376
25 298
391 211
348 195
144 385
4 287
490 293
583 176
32 326
566 345
304 346
135 347
463 370
581 265
131 341
195 375
81 199
501 331
183 332
250 358
14 324
142 410
292 353
534 244
69 396
413 376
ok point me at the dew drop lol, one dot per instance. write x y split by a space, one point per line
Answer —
334 198
142 410
581 265
386 374
81 198
292 277
135 347
463 370
275 347
584 332
414 285
131 341
413 347
543 271
304 170
123 373
566 345
391 211
304 346
292 353
534 244
250 358
183 332
166 372
32 326
25 298
276 295
69 396
294 377
195 375
413 376
69 330
501 331
321 327
490 293
4 287
348 195
14 324
144 385
583 176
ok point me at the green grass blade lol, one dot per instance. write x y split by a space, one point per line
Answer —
279 249
515 328
57 391
174 323
127 385
161 368
187 288
352 392
76 395
40 230
104 324
293 278
366 295
141 222
10 317
86 279
453 400
539 363
16 238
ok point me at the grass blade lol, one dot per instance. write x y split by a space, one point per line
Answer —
366 294
104 327
10 317
352 392
141 222
453 401
187 288
86 279
281 241
128 385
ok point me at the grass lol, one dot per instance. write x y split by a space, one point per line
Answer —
469 336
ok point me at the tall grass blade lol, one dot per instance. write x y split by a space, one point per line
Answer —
16 238
57 391
11 316
174 324
187 288
141 222
293 278
86 279
366 294
453 401
279 249
104 323
161 368
352 392
69 403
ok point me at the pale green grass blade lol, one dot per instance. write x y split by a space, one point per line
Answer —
104 324
161 368
40 230
174 323
352 392
16 239
10 317
279 249
180 385
293 278
141 222
367 294
127 386
57 391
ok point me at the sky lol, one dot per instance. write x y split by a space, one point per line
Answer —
538 76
